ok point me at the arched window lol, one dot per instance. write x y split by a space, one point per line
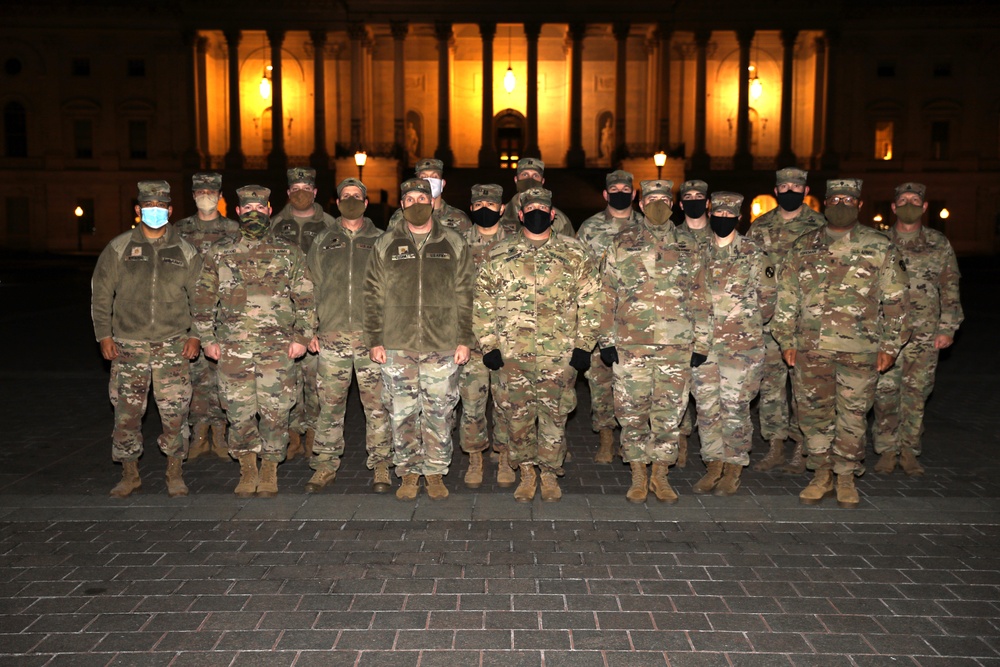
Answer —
15 130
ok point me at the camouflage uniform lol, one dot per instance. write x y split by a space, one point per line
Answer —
561 224
704 238
445 215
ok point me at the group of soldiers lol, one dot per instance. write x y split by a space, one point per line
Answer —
251 331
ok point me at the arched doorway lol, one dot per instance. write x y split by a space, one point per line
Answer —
509 126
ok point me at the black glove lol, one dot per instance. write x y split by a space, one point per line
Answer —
609 355
493 360
697 359
580 359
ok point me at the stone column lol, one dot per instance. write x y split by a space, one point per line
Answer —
576 158
818 100
277 160
532 32
663 33
234 156
620 31
443 33
488 157
786 156
357 33
743 158
320 158
830 159
192 154
700 160
203 143
399 30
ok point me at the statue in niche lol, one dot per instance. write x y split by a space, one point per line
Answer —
607 144
411 137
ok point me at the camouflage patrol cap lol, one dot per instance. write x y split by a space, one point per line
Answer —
532 163
658 187
301 175
536 196
206 180
154 191
253 194
693 186
726 201
792 175
429 164
489 192
347 182
417 184
618 176
844 186
918 189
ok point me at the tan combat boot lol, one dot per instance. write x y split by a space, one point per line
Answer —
436 490
248 476
659 485
886 463
525 491
550 487
199 442
410 487
638 491
710 479
819 488
847 495
294 445
219 447
310 441
505 474
797 463
474 475
130 481
775 456
730 481
319 479
605 453
908 462
682 451
267 485
381 482
175 482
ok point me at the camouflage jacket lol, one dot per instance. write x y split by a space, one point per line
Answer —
776 236
419 299
654 279
337 263
597 230
445 214
704 236
843 295
300 231
142 290
538 301
255 291
561 224
935 308
480 244
203 233
744 292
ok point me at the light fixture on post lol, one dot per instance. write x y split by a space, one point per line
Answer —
360 158
508 79
944 214
265 81
659 159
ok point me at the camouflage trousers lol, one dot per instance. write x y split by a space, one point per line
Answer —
835 392
724 386
778 414
342 355
306 409
476 382
900 396
536 395
600 378
420 392
257 380
138 366
652 383
206 406
690 417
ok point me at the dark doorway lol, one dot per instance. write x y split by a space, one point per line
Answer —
510 129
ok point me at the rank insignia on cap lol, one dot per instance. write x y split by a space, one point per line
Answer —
769 272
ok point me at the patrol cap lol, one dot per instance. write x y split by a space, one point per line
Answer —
531 163
693 186
618 176
301 175
429 164
347 182
792 175
536 196
844 186
726 201
154 191
657 187
253 194
918 189
489 192
416 184
206 180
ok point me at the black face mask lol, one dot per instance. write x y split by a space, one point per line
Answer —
694 208
537 221
620 200
722 226
791 200
485 217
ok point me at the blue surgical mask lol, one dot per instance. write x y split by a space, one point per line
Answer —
154 217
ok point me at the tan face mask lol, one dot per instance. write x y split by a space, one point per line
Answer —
657 212
417 214
351 208
301 199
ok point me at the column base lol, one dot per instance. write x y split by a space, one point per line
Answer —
445 155
488 158
787 158
701 161
234 160
743 161
576 158
277 161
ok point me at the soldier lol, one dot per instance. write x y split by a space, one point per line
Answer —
596 233
537 312
418 321
432 171
934 316
657 328
202 230
143 286
840 322
531 174
776 231
477 381
255 314
337 263
744 290
299 223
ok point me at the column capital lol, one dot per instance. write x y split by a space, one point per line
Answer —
442 31
788 37
620 29
318 38
745 36
577 31
532 30
202 45
356 31
702 37
488 30
276 36
399 29
233 36
664 31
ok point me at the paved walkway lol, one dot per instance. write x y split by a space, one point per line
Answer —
350 578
